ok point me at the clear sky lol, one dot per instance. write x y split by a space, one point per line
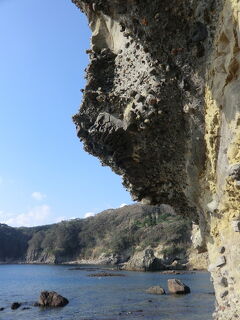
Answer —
45 176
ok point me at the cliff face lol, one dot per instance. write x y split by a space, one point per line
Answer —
221 181
143 107
162 108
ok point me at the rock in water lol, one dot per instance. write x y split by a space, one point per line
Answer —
51 299
15 305
176 286
156 290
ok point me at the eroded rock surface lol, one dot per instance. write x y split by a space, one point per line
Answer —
162 109
142 112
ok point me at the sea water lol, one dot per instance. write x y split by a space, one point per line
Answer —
102 298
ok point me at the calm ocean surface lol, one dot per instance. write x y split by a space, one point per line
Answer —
102 298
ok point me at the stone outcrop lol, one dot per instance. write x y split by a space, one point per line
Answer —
144 261
176 286
51 299
38 257
162 109
15 305
143 98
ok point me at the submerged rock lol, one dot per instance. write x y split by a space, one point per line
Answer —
156 290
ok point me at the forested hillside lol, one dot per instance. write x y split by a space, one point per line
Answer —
115 234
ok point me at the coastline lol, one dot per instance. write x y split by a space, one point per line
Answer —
105 266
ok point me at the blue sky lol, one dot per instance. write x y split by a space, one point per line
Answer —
45 176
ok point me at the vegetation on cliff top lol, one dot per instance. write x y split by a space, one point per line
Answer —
113 232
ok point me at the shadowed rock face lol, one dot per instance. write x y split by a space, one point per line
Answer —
162 109
142 112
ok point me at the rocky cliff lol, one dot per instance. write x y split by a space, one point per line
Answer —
162 109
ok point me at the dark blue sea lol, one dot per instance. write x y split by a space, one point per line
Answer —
102 298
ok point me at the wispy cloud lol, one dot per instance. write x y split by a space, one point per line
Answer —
122 205
89 214
63 218
36 216
38 196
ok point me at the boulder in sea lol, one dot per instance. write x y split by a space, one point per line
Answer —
15 305
176 286
51 299
156 290
1 309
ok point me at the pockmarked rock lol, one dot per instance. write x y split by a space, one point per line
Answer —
52 299
176 286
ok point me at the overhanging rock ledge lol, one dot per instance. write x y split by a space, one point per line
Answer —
162 109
